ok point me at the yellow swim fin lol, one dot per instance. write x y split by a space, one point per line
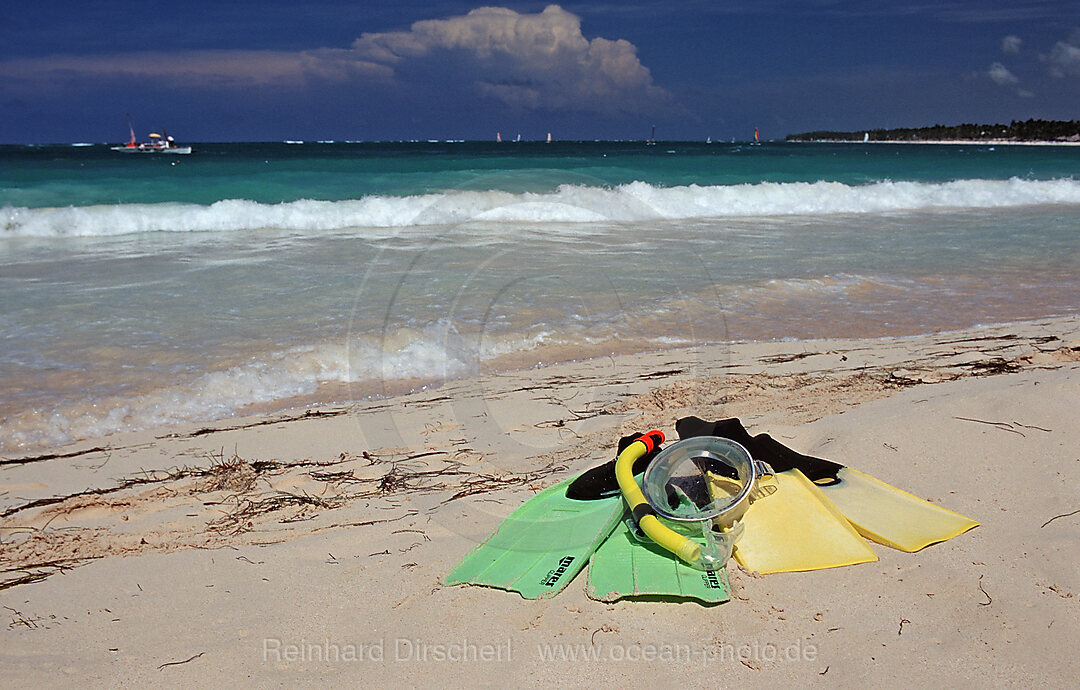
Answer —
879 511
891 516
796 528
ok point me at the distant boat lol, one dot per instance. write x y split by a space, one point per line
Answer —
866 137
652 137
159 143
708 140
498 137
549 138
518 138
757 140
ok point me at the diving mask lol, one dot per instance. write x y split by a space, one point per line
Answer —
694 494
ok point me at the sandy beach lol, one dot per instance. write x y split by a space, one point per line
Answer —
308 549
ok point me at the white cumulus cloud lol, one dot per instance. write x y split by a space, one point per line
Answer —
1001 75
1064 57
1011 44
539 60
527 60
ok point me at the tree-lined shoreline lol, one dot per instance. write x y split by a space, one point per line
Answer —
1031 130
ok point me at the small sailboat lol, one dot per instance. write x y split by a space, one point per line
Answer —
498 137
131 142
652 137
549 138
159 143
169 145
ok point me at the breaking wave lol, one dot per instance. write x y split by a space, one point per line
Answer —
637 201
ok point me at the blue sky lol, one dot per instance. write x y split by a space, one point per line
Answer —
402 69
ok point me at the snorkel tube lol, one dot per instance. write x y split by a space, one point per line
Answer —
685 548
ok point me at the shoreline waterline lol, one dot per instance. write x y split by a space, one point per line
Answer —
701 360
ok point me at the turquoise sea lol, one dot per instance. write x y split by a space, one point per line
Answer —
140 290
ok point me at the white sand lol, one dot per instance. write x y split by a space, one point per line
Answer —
286 542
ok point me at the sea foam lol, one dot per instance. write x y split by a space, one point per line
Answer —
434 353
636 201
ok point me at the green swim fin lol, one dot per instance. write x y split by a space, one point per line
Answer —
625 567
539 548
879 511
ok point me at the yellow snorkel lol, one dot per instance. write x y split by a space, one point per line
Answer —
644 515
700 486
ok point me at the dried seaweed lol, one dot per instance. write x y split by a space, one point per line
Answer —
1064 515
784 359
223 473
899 381
13 576
241 518
53 456
992 366
486 483
177 663
661 374
307 414
1004 426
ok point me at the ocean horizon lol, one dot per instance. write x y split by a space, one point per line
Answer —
146 290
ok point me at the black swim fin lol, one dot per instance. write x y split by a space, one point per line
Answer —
599 482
